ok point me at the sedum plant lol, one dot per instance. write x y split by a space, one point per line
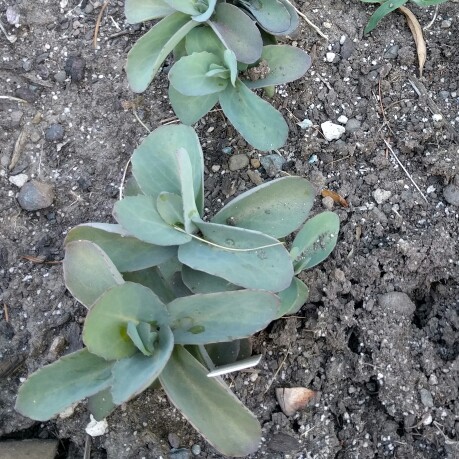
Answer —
223 51
170 295
388 6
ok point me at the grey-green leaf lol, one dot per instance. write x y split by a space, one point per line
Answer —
154 161
246 258
126 252
223 316
149 52
88 271
133 375
293 298
191 109
57 386
143 10
188 75
138 215
315 241
276 208
237 32
257 120
201 282
286 63
208 404
105 330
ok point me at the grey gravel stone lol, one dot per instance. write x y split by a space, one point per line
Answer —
237 162
451 194
392 52
28 449
272 164
36 195
397 301
353 125
54 133
426 398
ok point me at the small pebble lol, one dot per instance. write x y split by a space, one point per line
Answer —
272 164
237 162
451 194
332 131
397 301
35 195
19 180
54 133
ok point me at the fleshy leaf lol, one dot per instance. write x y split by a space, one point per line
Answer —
257 120
258 261
237 32
189 109
126 252
143 10
208 404
201 282
271 15
105 329
293 298
154 163
138 215
133 375
88 271
149 52
101 404
188 75
286 64
57 386
276 208
223 316
315 241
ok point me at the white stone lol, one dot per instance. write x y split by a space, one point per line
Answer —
332 131
96 428
381 196
19 180
330 57
343 119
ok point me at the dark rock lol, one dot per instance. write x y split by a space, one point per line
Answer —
283 443
397 301
451 194
54 133
27 94
75 67
36 195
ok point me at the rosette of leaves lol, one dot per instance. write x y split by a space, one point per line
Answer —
169 295
388 6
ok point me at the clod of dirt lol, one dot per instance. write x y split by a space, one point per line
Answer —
294 399
75 67
54 133
397 301
283 443
36 195
451 194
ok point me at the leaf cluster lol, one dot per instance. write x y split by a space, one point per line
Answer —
223 51
388 6
169 294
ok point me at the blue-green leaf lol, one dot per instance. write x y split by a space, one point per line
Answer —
208 404
55 387
257 120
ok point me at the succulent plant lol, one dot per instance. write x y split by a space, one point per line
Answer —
170 295
218 46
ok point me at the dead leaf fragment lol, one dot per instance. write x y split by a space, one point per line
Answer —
335 196
295 398
416 30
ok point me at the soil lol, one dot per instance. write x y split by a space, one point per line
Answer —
387 373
